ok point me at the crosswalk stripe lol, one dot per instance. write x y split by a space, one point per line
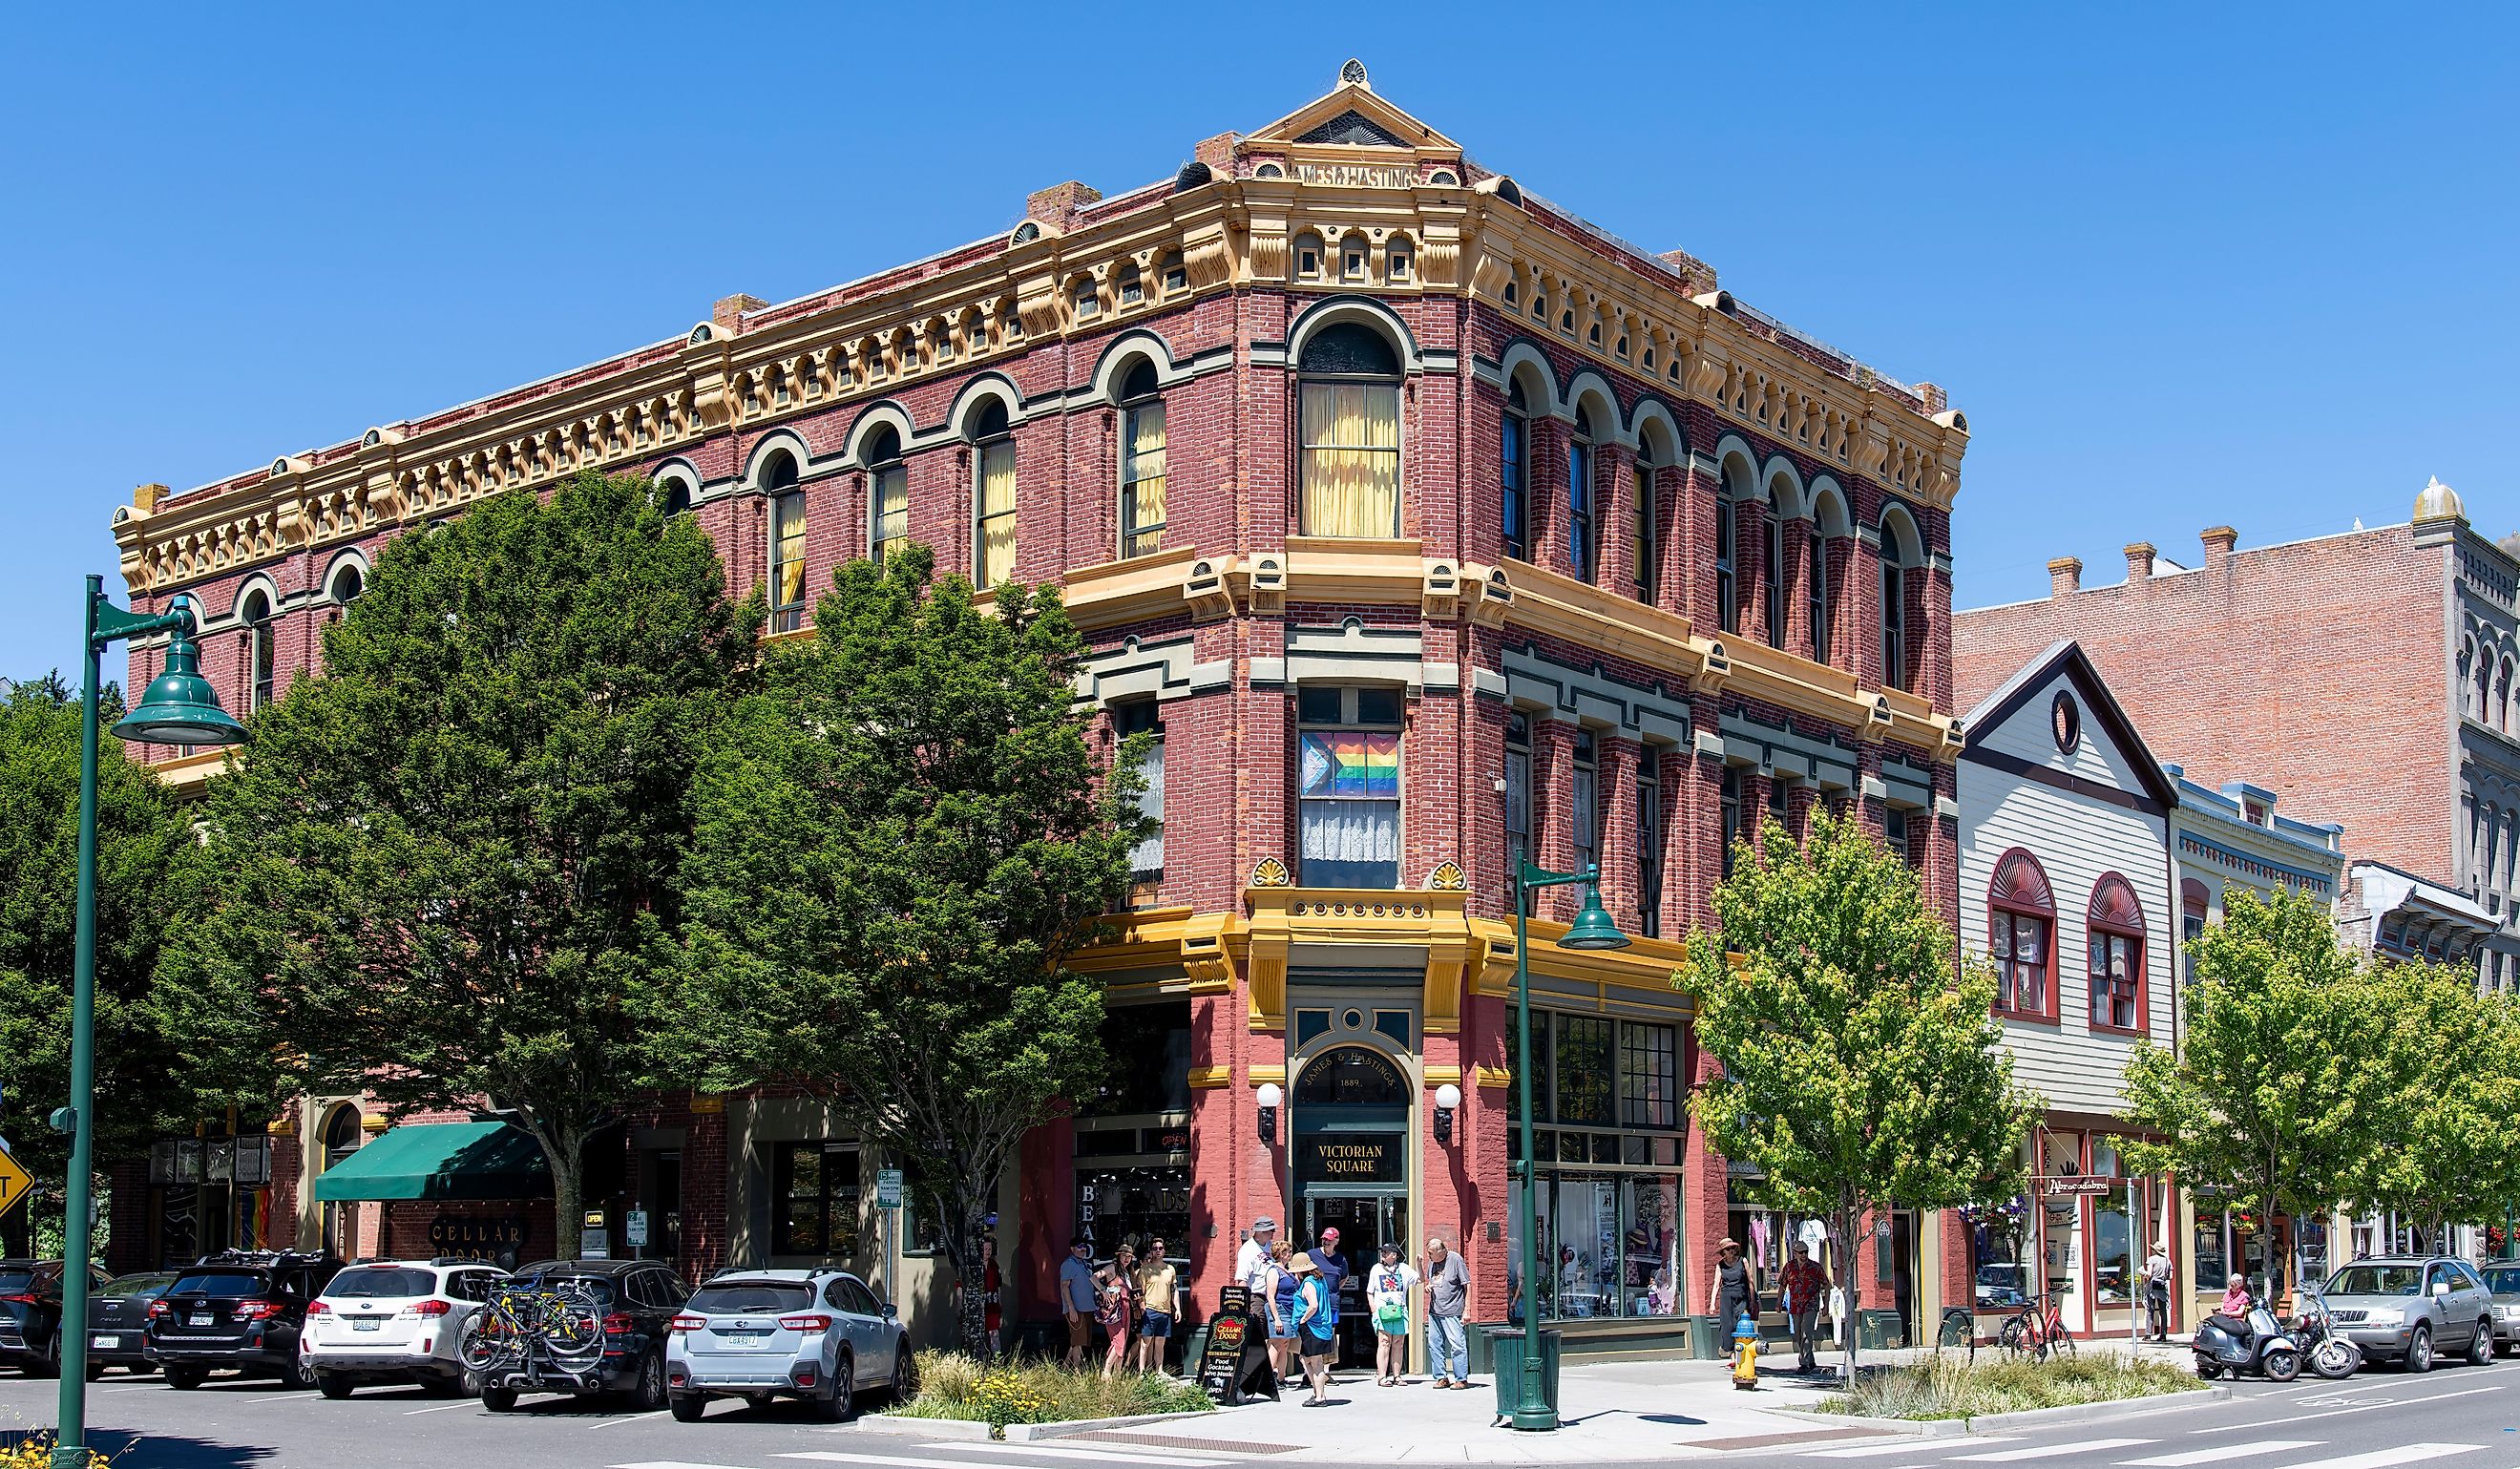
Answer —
2046 1450
1101 1455
1906 1444
2382 1458
674 1464
889 1460
2254 1450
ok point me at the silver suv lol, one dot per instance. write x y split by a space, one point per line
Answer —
2405 1308
816 1335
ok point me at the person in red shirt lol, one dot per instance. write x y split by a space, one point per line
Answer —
1804 1285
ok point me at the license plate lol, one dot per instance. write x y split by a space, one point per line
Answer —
199 1321
103 1342
365 1325
743 1338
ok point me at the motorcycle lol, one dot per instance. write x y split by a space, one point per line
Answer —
2323 1349
2260 1348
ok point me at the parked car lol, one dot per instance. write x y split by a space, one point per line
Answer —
395 1320
243 1311
117 1321
635 1300
2405 1308
815 1335
2503 1278
30 1314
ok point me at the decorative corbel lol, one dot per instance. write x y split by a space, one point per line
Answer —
1208 589
1439 595
1269 585
1495 598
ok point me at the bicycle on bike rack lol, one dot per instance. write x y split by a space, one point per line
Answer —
543 1335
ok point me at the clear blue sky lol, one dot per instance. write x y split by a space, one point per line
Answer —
2180 264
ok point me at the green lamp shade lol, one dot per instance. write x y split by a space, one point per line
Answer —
181 708
1592 928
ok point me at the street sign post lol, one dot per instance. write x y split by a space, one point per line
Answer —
887 1188
13 1183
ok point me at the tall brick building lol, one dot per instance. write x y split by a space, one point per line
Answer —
1426 525
2237 669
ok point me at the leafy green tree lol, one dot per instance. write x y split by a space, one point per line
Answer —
154 1073
444 864
2273 1095
901 837
1858 1070
2449 1073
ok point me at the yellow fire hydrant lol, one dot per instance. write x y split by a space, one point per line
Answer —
1745 1352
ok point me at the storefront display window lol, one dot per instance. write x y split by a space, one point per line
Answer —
1609 1195
1131 1204
1609 1247
814 1187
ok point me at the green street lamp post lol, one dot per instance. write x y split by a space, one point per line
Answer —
1592 929
179 708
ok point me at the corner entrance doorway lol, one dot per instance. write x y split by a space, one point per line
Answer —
1351 1136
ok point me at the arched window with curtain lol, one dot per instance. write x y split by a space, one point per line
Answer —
1515 470
1583 525
787 544
2021 933
1349 421
888 493
2114 926
993 495
262 662
1141 461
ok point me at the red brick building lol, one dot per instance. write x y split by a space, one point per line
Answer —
2238 670
1428 525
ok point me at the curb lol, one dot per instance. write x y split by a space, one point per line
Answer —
2033 1417
1027 1433
932 1428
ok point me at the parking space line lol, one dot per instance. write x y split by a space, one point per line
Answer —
440 1408
2338 1412
629 1418
280 1397
912 1462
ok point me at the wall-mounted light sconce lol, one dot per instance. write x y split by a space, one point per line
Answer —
1448 1101
1270 1097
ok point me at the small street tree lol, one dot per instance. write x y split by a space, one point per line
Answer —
2275 1094
901 837
163 1060
443 864
2449 1057
1858 1072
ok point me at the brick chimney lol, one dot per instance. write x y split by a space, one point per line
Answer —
727 314
1217 152
2219 541
145 498
1936 400
1058 204
2139 561
2065 576
1695 274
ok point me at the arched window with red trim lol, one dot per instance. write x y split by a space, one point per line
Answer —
2115 925
2021 923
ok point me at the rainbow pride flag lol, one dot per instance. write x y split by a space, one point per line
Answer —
1352 764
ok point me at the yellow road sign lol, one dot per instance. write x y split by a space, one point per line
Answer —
14 1182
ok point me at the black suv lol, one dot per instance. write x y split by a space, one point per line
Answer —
117 1321
241 1310
30 1314
638 1299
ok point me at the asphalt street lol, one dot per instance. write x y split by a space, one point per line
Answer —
2457 1417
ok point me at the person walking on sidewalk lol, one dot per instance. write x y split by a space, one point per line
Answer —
1802 1286
1078 1299
1448 1298
1280 1295
2156 1291
1316 1326
1386 1296
1733 1294
1156 1281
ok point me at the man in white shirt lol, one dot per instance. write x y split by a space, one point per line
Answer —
1251 1262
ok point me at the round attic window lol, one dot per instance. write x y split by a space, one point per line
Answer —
2066 722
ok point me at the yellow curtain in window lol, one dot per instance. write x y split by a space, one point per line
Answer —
1351 465
997 499
1143 479
789 552
891 507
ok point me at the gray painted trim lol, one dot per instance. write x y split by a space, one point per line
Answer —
1778 749
1592 695
1163 670
1710 745
1488 682
1353 652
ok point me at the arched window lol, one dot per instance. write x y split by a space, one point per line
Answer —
887 492
1899 558
2498 706
261 650
348 581
1351 1076
2114 925
1582 530
993 495
787 544
1772 573
2021 932
1350 426
1735 487
674 495
1141 461
1823 597
1513 459
1647 536
2193 899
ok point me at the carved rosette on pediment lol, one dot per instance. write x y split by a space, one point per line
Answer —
1270 873
1448 878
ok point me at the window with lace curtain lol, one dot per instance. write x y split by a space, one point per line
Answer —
1347 786
888 493
993 496
2021 925
1349 420
1141 461
786 545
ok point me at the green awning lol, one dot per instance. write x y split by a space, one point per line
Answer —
441 1160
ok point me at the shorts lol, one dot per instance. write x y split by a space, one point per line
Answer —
1319 1346
1158 1323
1080 1329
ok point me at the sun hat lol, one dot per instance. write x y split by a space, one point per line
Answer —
1263 1225
1728 1242
1303 1266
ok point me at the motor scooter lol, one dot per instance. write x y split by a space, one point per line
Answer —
2260 1348
2323 1349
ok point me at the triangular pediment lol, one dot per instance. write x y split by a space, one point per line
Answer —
1356 130
1353 116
